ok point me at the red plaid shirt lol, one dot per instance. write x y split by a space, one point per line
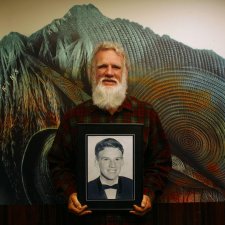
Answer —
157 157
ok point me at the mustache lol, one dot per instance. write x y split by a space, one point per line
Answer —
109 80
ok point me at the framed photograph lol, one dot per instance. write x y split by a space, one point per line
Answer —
110 170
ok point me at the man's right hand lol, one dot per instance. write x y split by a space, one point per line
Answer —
75 207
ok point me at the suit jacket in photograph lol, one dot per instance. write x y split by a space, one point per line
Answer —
124 191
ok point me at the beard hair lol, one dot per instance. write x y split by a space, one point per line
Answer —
109 97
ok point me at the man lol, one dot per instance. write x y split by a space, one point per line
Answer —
109 185
110 104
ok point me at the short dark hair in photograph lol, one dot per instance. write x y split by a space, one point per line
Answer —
108 142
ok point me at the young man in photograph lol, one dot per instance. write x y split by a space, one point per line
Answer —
109 185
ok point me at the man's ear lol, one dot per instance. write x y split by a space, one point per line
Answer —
96 161
122 162
126 73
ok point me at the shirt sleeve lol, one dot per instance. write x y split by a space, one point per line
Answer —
157 157
61 160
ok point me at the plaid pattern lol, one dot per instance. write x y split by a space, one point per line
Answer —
157 158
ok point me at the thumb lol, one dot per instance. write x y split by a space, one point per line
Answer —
144 201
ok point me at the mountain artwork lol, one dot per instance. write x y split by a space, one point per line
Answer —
45 74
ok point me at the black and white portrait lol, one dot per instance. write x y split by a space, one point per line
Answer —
110 167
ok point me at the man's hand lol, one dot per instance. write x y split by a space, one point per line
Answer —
75 207
145 207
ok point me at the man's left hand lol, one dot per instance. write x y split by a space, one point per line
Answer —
145 207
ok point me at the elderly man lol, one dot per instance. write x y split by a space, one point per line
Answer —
110 104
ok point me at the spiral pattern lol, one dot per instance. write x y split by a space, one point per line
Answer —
191 106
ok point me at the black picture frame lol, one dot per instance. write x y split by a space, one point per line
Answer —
129 135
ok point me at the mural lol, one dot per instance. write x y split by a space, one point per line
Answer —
45 74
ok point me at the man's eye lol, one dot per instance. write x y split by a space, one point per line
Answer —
105 159
116 67
102 67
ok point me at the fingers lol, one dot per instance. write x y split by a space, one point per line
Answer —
75 207
73 199
145 207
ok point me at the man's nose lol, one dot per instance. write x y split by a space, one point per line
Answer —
112 163
109 71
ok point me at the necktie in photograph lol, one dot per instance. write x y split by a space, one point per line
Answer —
104 186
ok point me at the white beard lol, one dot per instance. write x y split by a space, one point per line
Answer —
109 97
